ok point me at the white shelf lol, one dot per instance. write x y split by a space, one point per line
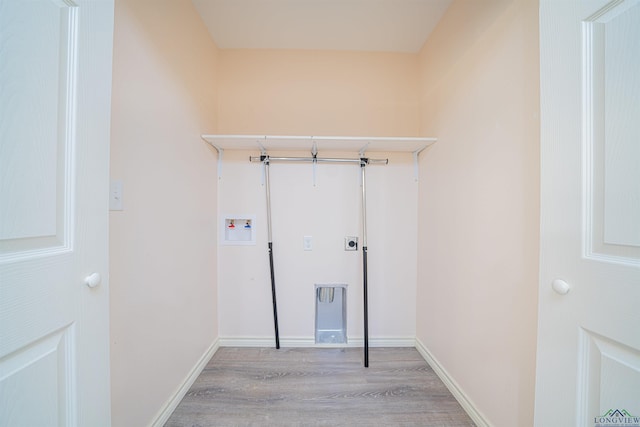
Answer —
354 144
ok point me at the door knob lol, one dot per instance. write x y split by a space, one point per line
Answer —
93 280
560 286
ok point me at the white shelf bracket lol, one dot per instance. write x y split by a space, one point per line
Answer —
220 153
220 156
314 153
416 166
263 152
362 151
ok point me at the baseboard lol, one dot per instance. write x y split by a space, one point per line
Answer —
453 387
170 406
310 342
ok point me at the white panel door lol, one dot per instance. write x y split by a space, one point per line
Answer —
55 88
588 362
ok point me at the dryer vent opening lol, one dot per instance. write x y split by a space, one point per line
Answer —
331 314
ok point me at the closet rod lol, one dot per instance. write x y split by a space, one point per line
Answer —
317 159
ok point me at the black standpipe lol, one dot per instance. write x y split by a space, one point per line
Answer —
366 308
270 244
273 296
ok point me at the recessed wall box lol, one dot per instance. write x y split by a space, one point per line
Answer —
331 314
238 230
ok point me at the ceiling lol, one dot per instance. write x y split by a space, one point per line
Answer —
361 25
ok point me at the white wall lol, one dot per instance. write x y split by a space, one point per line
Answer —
163 244
319 93
328 212
479 204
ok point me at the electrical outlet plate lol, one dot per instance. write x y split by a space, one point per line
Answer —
351 243
307 243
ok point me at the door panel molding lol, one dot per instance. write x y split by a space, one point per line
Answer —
50 360
602 358
40 225
611 153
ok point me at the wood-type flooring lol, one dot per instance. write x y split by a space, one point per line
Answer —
317 387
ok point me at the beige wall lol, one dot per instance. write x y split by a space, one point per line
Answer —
163 244
298 92
478 203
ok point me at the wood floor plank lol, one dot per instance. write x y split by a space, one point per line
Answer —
317 387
